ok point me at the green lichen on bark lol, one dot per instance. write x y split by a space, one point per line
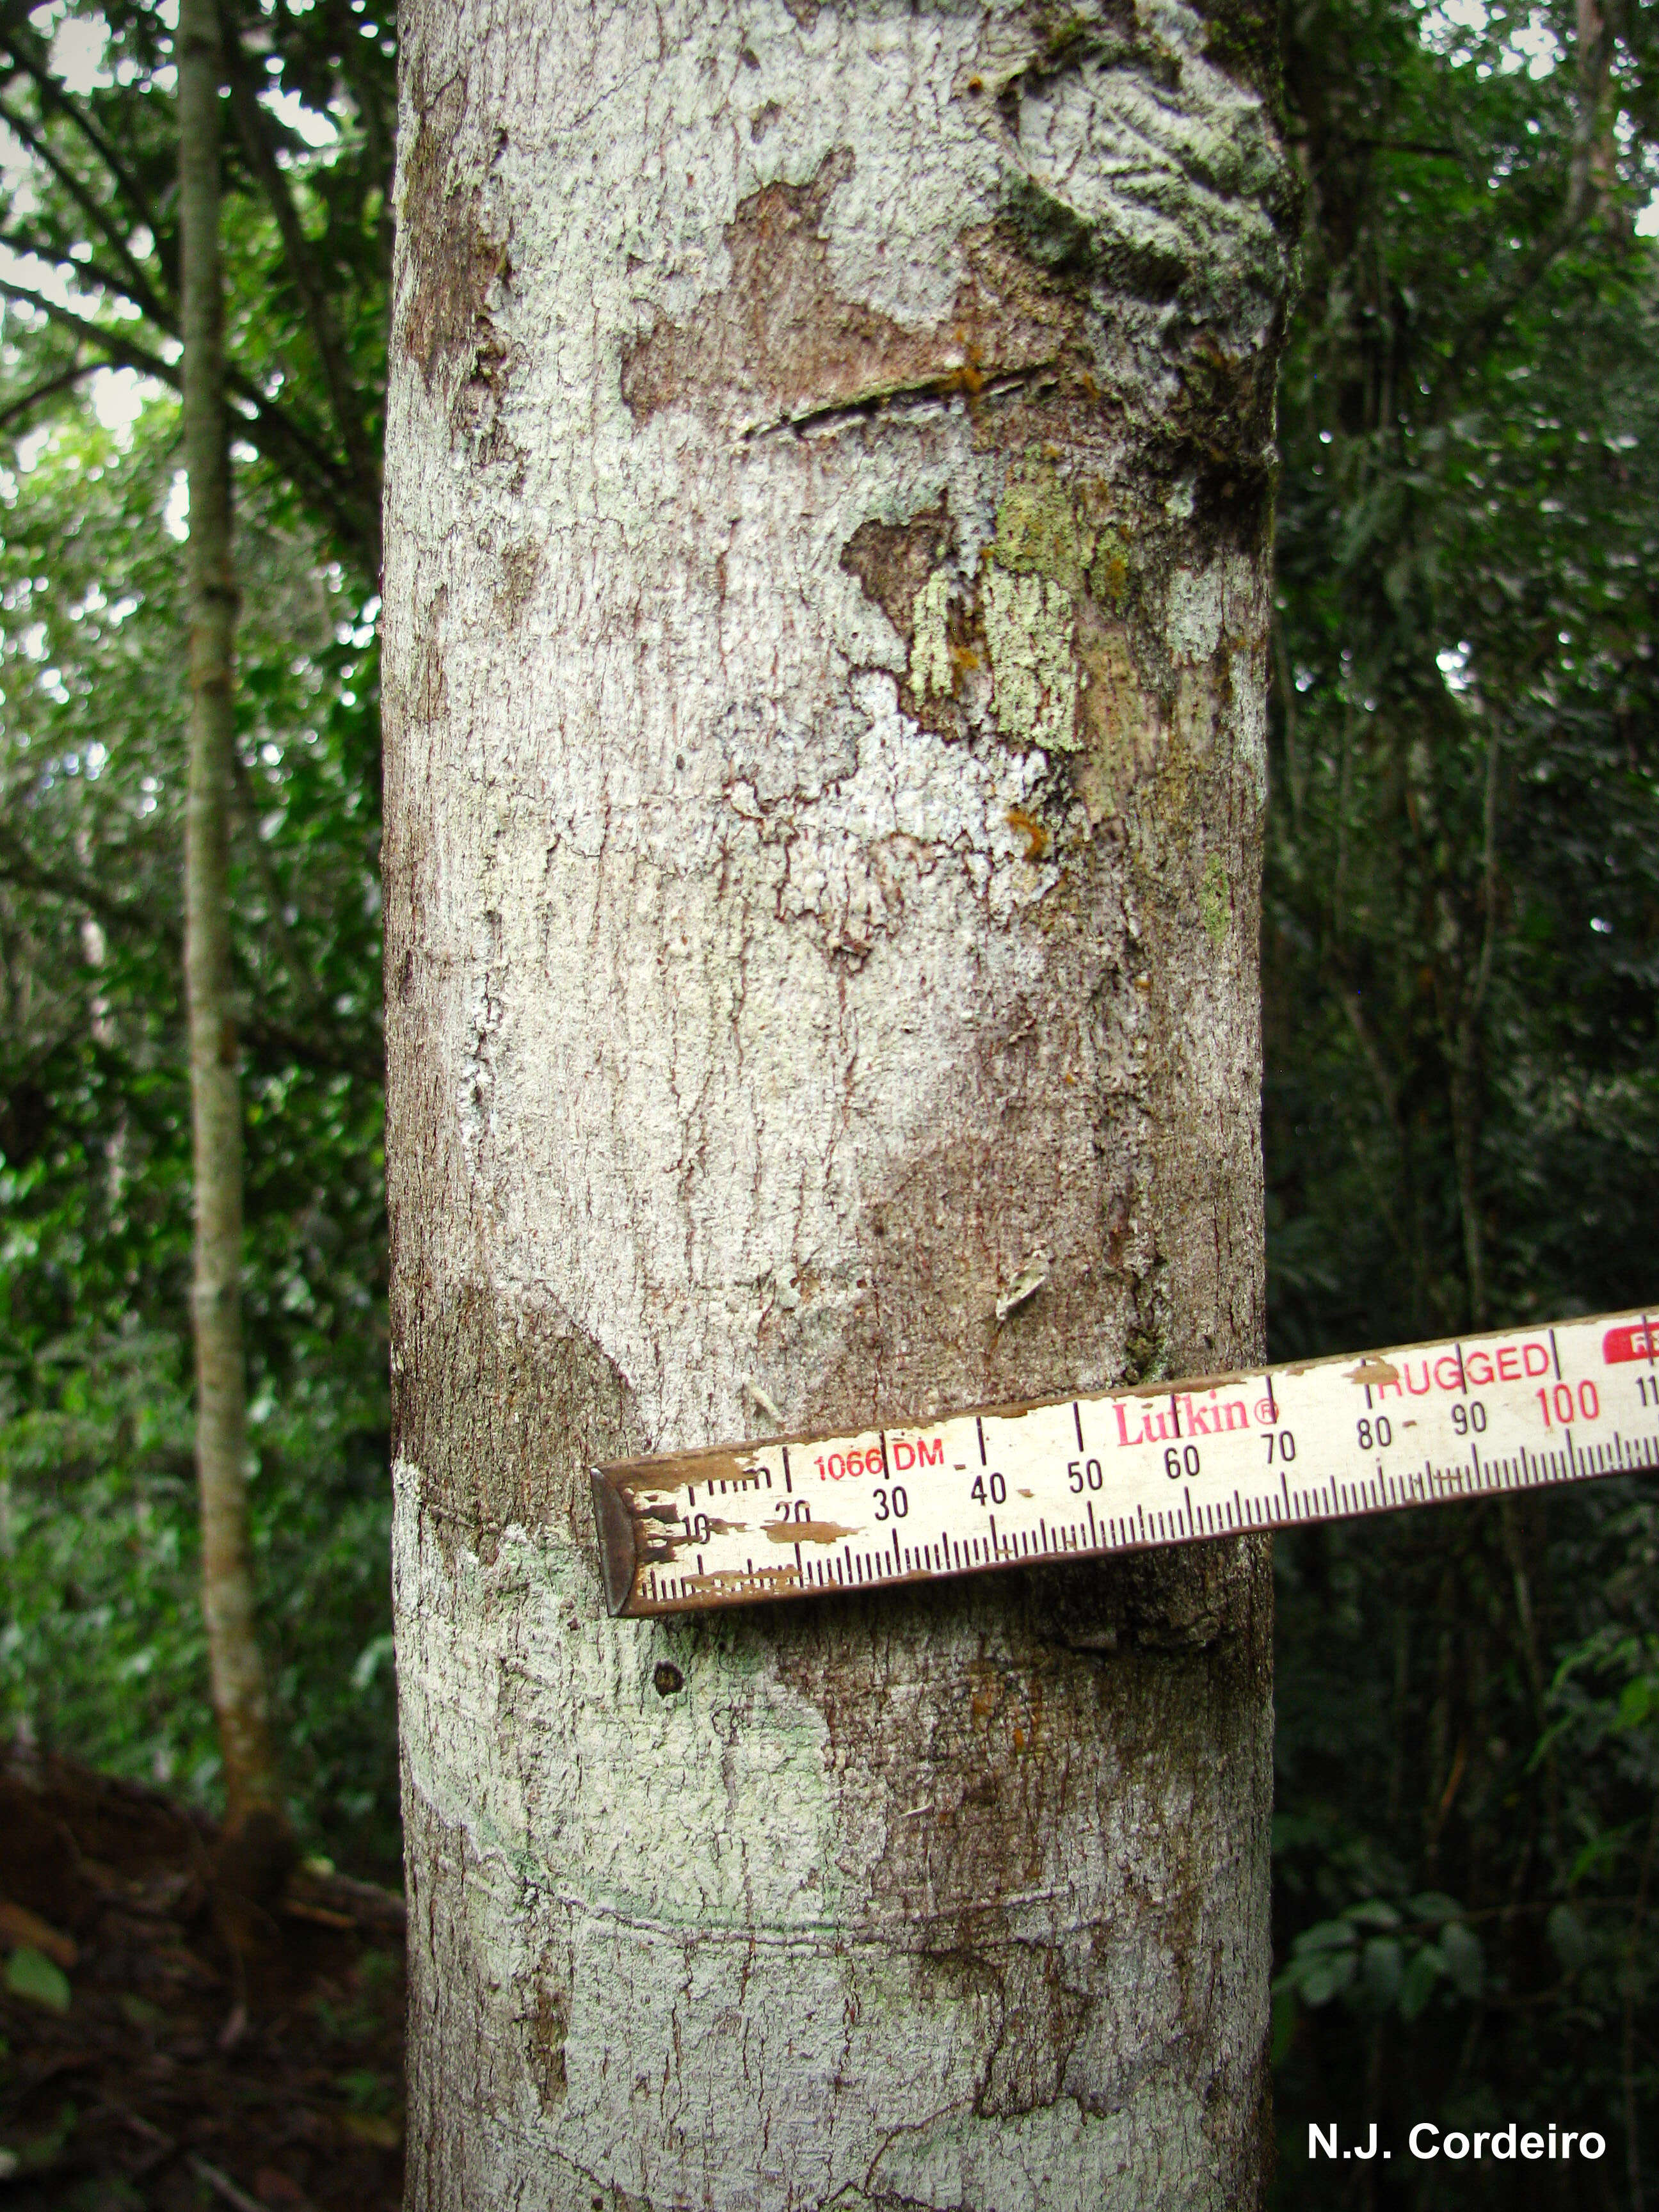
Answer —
930 648
1038 533
1031 629
1109 570
1035 573
1215 902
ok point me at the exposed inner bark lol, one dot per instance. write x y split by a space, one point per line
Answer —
780 345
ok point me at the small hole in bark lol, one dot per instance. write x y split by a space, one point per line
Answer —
667 1678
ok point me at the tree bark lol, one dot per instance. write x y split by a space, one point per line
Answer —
237 1676
827 622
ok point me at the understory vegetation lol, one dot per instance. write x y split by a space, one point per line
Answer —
1460 950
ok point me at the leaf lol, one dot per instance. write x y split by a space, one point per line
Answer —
1417 1987
31 1975
1461 1950
1328 1976
1636 1702
1568 1938
373 2128
1434 1906
1324 1936
1372 1912
20 1926
1382 1971
1597 1853
369 1660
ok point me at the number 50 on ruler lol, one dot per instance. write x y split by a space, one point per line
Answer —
1122 1470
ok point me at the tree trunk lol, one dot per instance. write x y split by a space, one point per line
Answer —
827 604
238 1691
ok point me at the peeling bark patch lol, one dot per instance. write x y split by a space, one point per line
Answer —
780 345
546 2028
894 562
521 565
444 318
503 1407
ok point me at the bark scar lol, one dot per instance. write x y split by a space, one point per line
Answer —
779 346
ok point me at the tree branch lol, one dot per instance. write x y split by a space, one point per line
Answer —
273 1042
1595 58
137 286
302 267
10 412
267 430
28 49
21 243
19 867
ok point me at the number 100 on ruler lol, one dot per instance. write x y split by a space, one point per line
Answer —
1124 1470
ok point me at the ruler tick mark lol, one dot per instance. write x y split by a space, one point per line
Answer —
721 1501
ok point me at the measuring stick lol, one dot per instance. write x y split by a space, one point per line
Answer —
1124 1470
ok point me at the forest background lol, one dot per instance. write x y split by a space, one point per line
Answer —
1460 950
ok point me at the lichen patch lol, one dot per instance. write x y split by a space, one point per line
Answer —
931 666
1214 900
1030 629
1038 534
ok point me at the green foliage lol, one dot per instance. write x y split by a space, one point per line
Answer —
1460 950
92 221
100 1646
31 1975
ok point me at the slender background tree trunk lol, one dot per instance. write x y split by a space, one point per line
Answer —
827 621
238 1689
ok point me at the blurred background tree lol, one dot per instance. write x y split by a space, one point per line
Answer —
1461 953
101 1646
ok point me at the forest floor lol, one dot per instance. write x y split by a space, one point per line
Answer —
148 2065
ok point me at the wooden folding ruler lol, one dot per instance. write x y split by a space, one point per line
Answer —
1122 1470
